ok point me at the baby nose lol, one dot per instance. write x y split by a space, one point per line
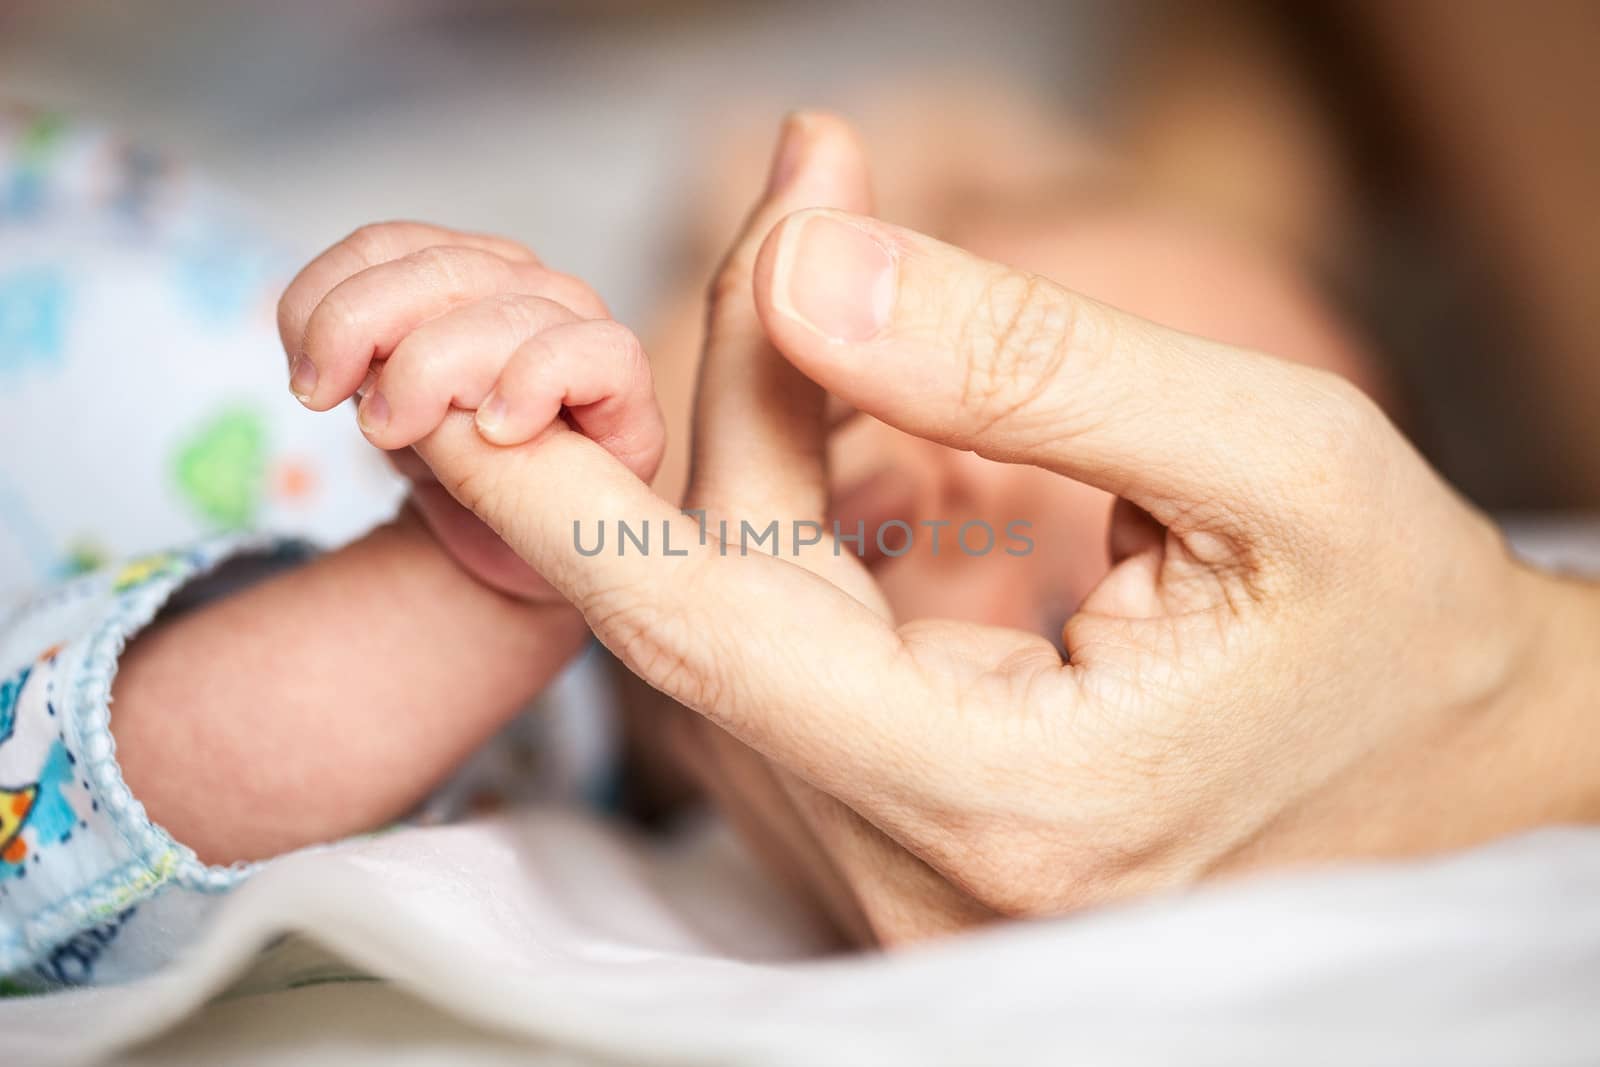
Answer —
970 484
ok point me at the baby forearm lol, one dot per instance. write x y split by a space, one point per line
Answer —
329 699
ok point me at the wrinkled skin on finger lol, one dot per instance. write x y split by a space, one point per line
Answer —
1306 648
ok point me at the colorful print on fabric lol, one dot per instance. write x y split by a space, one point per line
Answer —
73 961
83 556
16 804
22 191
223 276
33 318
10 693
137 572
36 772
15 807
24 536
140 177
221 468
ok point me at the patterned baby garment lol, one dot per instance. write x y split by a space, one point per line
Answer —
143 406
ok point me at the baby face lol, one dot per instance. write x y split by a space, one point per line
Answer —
1108 246
1049 533
1135 257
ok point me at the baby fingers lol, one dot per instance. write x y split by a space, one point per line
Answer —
450 361
596 371
364 317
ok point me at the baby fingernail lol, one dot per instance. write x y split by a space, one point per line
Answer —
836 278
491 415
303 379
373 414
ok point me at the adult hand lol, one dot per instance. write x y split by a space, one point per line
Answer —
1308 648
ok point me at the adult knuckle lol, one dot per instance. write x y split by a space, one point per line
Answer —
1003 871
1351 426
1338 450
474 487
1011 897
656 642
1016 876
990 873
1119 830
1016 334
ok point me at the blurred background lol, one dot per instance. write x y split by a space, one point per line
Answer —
1428 170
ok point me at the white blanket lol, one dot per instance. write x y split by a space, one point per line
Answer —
550 937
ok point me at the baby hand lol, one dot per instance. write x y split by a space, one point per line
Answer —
418 320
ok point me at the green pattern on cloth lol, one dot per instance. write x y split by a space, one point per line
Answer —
221 468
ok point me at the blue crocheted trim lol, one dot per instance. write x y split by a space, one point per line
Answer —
141 589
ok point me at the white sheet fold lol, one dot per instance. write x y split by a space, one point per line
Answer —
555 930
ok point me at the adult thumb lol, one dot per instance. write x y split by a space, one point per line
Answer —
981 356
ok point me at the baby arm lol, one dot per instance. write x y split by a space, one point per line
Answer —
332 695
324 699
353 685
328 699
